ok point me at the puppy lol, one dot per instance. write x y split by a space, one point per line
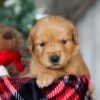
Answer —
53 43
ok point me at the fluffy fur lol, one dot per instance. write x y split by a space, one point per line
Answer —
54 35
10 39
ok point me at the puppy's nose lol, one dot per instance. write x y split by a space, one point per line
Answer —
54 58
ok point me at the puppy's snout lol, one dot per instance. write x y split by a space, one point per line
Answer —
54 59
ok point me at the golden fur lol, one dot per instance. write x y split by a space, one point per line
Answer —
54 35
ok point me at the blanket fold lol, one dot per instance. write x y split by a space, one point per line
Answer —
65 88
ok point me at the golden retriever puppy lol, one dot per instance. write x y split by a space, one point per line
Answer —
53 43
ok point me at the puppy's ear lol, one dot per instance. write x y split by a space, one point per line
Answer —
75 35
30 42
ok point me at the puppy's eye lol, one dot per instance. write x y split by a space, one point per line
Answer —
64 41
42 44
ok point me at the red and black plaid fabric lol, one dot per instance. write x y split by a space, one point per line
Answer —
68 88
23 88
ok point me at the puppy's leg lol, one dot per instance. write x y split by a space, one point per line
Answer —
29 75
48 76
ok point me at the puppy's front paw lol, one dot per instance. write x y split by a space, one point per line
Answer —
44 80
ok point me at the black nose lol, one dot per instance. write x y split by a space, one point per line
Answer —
54 58
8 36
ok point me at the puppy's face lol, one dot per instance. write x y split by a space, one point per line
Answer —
53 41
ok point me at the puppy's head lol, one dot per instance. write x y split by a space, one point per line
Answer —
53 40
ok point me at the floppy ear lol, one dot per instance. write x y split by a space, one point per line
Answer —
75 35
30 42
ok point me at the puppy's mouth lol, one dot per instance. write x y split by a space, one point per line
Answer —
55 66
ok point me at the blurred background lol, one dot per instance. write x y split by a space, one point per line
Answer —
85 14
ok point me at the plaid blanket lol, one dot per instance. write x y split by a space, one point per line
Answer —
65 88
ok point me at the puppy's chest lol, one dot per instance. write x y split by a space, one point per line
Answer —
36 68
71 70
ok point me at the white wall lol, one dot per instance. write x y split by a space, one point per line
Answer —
89 37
